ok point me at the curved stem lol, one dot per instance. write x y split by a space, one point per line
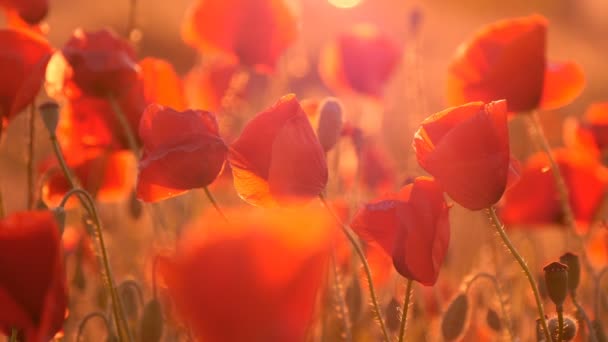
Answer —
522 263
124 125
505 315
87 318
119 316
135 286
215 205
406 305
560 322
598 292
339 296
368 272
31 191
582 312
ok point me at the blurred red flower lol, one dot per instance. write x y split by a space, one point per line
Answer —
535 199
252 281
206 86
182 151
94 63
467 149
506 60
257 32
33 293
31 11
278 159
161 83
411 226
589 135
361 60
23 60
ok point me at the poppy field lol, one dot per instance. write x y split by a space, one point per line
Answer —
303 170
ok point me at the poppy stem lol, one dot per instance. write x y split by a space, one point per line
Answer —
215 205
2 213
564 196
368 273
86 320
582 312
339 295
598 292
133 285
117 308
406 305
560 322
131 18
522 263
154 268
31 191
505 315
124 125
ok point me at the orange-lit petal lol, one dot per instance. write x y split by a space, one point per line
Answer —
162 85
563 83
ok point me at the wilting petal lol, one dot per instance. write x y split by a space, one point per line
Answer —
257 32
161 83
32 286
505 60
563 83
467 149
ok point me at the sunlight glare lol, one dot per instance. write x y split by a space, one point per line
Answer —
345 3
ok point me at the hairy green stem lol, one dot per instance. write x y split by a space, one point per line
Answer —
406 305
339 296
560 322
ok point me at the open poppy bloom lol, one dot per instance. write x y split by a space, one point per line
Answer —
590 135
361 60
411 226
256 32
278 159
162 84
30 11
23 61
535 198
95 64
466 149
256 280
33 293
182 151
507 60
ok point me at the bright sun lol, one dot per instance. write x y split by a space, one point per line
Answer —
345 3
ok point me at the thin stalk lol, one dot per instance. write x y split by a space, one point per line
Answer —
124 125
368 273
522 263
131 17
406 305
339 296
31 191
87 318
215 205
2 213
14 335
598 292
582 312
119 315
505 315
560 322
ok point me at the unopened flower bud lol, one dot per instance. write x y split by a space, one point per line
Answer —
493 320
151 325
330 123
455 318
50 115
574 270
556 279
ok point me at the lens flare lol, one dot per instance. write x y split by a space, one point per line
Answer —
345 3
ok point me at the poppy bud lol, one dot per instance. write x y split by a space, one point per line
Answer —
129 300
330 123
353 299
574 270
493 320
569 331
151 325
393 314
50 115
455 318
78 280
556 279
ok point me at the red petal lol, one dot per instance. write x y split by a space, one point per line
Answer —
563 83
162 85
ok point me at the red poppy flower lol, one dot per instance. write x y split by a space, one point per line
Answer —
411 226
506 60
255 31
32 279
589 135
94 63
535 199
162 84
253 281
182 151
375 168
361 60
23 60
31 11
206 86
277 158
467 149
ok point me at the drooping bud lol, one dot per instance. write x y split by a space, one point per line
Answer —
556 279
393 314
493 320
151 324
455 318
574 270
50 115
330 123
569 331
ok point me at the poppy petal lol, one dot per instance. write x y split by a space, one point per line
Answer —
564 82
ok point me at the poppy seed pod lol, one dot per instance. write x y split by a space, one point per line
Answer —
50 115
556 278
330 123
569 330
455 318
574 270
